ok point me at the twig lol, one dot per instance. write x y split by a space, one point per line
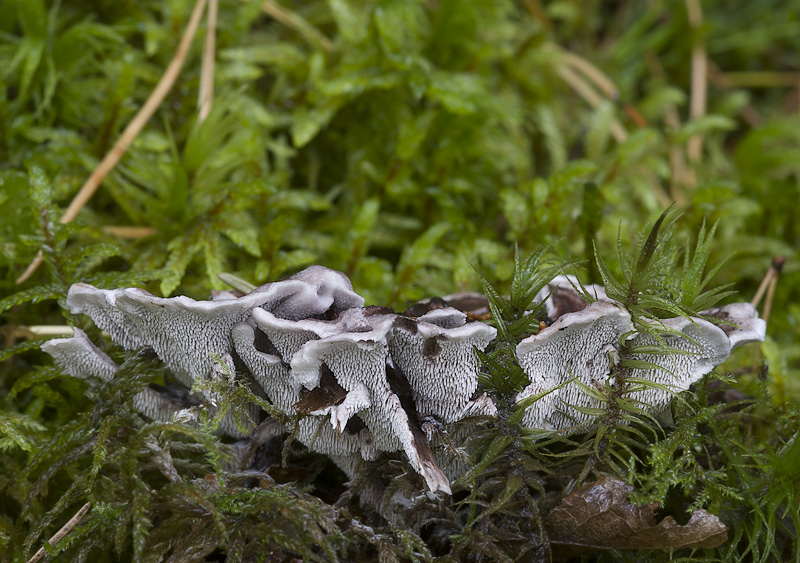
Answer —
206 95
586 92
681 175
760 79
538 13
131 131
51 330
297 23
131 233
770 282
697 103
65 529
773 271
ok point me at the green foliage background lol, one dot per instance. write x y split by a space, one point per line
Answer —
401 142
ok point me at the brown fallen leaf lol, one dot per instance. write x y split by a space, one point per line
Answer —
598 516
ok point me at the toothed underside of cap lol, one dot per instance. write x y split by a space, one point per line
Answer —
391 371
578 345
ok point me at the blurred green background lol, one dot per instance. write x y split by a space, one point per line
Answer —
399 141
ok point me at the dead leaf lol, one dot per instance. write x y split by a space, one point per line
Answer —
599 516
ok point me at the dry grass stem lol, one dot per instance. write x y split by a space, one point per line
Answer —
699 91
538 13
580 85
762 79
773 283
131 131
768 286
772 272
762 288
206 95
585 91
130 233
298 24
601 81
67 528
594 74
50 330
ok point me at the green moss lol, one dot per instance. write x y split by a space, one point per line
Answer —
407 144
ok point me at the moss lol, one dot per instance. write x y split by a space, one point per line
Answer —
407 144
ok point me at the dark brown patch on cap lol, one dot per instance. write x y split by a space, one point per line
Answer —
327 394
406 324
431 347
419 309
376 310
400 387
471 304
566 300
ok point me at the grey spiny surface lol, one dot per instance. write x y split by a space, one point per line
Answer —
308 345
580 345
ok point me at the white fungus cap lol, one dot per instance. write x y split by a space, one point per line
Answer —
79 357
437 355
186 334
584 345
578 345
358 359
699 346
742 324
560 296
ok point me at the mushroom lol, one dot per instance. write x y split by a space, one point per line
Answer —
740 323
580 345
354 348
437 355
187 334
283 391
564 298
79 357
583 342
101 306
326 291
696 346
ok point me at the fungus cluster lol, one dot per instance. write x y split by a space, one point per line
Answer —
583 343
367 379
